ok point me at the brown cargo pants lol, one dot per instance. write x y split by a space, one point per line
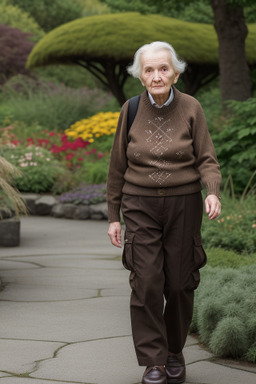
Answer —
163 250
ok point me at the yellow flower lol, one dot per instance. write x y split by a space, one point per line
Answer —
103 123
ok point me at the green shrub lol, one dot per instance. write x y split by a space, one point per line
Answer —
53 107
225 311
38 166
229 338
93 172
235 229
219 257
14 17
236 143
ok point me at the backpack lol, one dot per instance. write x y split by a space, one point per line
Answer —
132 110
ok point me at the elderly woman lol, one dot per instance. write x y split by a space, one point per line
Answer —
155 178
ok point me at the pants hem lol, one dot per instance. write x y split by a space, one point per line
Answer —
151 362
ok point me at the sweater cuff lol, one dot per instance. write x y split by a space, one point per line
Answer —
213 188
113 212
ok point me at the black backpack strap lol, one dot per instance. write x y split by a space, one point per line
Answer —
132 110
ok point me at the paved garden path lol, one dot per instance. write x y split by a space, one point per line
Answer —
64 312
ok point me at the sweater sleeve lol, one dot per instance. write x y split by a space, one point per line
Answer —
117 167
206 159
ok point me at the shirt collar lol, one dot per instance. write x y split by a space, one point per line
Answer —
168 102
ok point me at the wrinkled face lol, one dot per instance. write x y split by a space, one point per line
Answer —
158 74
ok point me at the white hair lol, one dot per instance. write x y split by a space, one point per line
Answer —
135 68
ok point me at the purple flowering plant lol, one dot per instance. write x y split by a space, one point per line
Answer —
85 194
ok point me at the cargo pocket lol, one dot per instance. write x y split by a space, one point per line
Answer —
127 256
200 260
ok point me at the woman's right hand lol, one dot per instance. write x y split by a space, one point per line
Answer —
114 233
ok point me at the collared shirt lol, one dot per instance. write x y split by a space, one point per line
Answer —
170 99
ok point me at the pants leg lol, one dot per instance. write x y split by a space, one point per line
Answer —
159 253
183 256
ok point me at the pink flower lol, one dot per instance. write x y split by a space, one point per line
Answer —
100 155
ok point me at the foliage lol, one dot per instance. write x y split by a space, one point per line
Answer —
236 143
50 14
85 194
189 10
72 76
9 196
14 48
38 166
53 107
66 43
101 124
219 257
14 17
94 172
235 229
226 322
93 7
106 57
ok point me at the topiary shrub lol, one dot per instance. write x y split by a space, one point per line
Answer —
230 338
225 311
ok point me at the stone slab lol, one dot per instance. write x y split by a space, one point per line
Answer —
29 293
22 380
67 278
205 372
20 356
66 321
80 362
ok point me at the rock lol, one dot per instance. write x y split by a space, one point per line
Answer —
69 210
30 200
10 232
99 211
44 205
82 212
58 210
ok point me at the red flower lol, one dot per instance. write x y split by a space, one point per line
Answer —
80 158
100 155
69 156
51 133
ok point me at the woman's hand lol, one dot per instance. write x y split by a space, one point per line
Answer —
114 233
212 206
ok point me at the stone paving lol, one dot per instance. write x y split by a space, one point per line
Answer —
64 312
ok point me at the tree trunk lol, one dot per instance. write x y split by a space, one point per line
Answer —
235 82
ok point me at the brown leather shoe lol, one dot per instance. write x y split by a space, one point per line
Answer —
154 375
175 369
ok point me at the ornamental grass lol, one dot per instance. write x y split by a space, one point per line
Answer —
225 311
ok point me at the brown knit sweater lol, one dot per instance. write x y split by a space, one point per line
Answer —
168 152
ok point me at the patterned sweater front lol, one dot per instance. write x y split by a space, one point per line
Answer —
168 152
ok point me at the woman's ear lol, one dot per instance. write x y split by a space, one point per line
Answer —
142 82
177 75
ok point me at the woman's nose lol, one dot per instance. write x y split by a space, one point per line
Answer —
156 76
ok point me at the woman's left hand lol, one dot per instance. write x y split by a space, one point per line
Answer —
212 206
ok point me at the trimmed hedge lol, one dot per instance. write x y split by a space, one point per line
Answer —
225 311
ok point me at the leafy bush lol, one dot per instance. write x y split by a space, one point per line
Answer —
93 172
219 257
236 143
226 321
52 107
14 48
235 229
85 194
38 166
50 14
14 17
